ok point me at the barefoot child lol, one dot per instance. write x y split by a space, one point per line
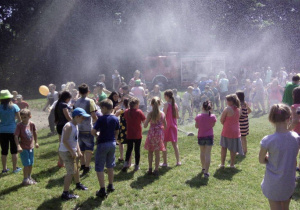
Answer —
155 138
244 123
70 153
231 135
108 125
171 112
26 140
279 152
205 123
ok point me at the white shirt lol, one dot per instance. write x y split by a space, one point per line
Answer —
73 139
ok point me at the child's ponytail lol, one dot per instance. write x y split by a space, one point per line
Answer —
279 113
155 103
169 94
207 107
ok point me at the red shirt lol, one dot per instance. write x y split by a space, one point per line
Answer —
22 104
25 135
134 119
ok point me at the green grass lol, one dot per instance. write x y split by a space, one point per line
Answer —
176 187
37 104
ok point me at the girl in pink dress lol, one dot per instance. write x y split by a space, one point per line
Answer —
274 91
171 112
155 137
231 135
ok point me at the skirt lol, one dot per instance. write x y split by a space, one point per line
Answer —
234 145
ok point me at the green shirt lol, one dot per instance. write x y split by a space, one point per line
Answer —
102 97
288 93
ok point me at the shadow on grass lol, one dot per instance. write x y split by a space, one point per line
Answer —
10 190
90 203
226 173
55 182
45 173
48 155
123 176
239 158
145 180
197 181
296 195
42 143
53 203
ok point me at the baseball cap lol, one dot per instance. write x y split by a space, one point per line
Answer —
80 112
99 84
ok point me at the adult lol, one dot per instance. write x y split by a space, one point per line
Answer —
259 95
116 80
288 90
8 113
114 97
223 87
139 92
136 76
101 78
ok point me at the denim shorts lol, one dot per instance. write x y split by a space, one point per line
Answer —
27 157
105 155
86 141
206 141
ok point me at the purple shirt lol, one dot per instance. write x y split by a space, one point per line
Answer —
205 124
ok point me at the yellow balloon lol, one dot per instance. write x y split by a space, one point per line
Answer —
44 90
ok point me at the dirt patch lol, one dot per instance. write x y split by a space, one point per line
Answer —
40 119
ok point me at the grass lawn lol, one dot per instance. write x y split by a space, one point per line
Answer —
176 187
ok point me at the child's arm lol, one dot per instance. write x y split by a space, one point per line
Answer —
67 132
248 109
295 119
18 117
147 120
18 144
35 138
116 134
67 114
94 132
196 125
223 116
78 150
165 108
263 158
165 122
46 105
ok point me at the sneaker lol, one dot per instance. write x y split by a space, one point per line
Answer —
164 165
5 171
206 175
17 170
101 194
27 182
203 170
232 166
178 164
82 167
68 196
136 167
86 170
221 166
33 181
155 173
110 188
297 169
80 186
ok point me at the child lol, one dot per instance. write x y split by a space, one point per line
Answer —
70 153
186 103
155 137
279 152
231 135
51 97
8 113
177 99
74 94
134 118
205 123
26 139
108 125
15 94
101 95
196 93
21 104
171 112
244 123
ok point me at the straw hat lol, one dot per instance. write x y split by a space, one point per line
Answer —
5 94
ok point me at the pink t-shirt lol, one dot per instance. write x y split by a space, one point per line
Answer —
25 134
139 93
205 124
231 126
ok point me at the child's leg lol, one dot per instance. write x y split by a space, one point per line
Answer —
232 158
129 150
150 159
275 205
14 160
29 171
100 176
176 150
76 171
137 148
121 150
60 161
67 182
183 112
26 172
165 153
285 204
4 161
190 112
110 172
244 144
88 156
202 156
157 160
207 157
223 155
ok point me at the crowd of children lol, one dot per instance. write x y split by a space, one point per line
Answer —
117 119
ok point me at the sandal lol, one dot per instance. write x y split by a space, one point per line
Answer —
5 171
164 165
206 175
17 170
178 164
221 166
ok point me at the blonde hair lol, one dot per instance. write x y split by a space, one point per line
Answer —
169 94
25 112
132 103
70 86
279 113
234 99
107 103
154 114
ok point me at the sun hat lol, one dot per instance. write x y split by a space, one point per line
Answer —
80 112
5 94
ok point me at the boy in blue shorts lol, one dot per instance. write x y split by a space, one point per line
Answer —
26 139
108 125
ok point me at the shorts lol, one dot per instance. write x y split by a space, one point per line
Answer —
223 95
196 104
86 141
27 157
7 139
105 155
206 141
71 164
59 129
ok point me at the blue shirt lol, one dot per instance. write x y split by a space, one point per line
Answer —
7 118
107 125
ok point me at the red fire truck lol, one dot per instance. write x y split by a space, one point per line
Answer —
181 69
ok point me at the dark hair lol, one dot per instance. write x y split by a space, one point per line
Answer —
111 96
65 95
6 103
126 102
241 96
83 89
295 78
279 113
207 106
296 95
125 87
107 103
25 112
169 94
